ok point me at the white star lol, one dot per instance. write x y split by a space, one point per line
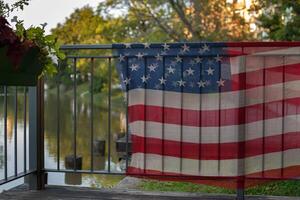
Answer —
121 58
171 70
218 58
126 81
139 55
181 83
127 45
198 60
201 84
162 81
185 48
146 45
144 79
178 58
166 46
134 67
190 71
210 71
152 68
205 48
158 57
221 82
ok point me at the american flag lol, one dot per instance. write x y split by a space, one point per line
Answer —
206 112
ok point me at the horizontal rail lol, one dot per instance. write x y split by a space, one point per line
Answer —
185 177
18 176
157 45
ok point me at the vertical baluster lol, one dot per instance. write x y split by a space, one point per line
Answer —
16 131
127 103
92 112
25 129
75 113
5 132
109 112
58 118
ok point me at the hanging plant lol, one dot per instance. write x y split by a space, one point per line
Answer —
26 53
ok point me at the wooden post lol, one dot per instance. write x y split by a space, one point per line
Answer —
37 180
73 178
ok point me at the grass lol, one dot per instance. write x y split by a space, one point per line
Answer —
282 188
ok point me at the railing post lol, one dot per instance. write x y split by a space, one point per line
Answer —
36 181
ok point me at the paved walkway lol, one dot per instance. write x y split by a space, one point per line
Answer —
76 193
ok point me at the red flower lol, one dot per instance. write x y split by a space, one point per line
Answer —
16 48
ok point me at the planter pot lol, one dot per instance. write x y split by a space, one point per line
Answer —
27 72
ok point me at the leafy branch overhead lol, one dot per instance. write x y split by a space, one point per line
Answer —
20 41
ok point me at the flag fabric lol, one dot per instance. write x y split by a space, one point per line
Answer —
217 113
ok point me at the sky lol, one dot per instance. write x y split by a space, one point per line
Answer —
50 11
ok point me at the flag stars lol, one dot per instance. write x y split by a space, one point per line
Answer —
178 59
218 58
198 60
221 82
166 46
205 48
159 57
121 58
185 48
171 70
190 71
162 81
126 81
146 45
201 84
127 45
152 68
181 83
210 71
134 67
140 55
144 79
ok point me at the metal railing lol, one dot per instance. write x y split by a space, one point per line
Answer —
91 55
26 101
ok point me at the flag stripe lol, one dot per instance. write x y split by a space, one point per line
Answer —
214 101
254 130
211 151
223 117
227 167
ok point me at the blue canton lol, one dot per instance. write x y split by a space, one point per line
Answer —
180 67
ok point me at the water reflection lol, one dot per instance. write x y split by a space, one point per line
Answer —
66 137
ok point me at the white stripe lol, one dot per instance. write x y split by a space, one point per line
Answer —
210 167
210 101
227 134
256 61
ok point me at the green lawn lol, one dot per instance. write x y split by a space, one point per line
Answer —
282 188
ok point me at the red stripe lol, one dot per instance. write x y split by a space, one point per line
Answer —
260 45
211 118
274 75
209 151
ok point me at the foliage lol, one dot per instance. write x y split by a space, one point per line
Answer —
22 40
6 9
280 19
180 20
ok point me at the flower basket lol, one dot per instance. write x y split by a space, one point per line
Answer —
26 73
26 53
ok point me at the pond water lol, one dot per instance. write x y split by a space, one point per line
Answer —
66 137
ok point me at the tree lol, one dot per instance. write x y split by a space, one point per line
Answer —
280 20
180 20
